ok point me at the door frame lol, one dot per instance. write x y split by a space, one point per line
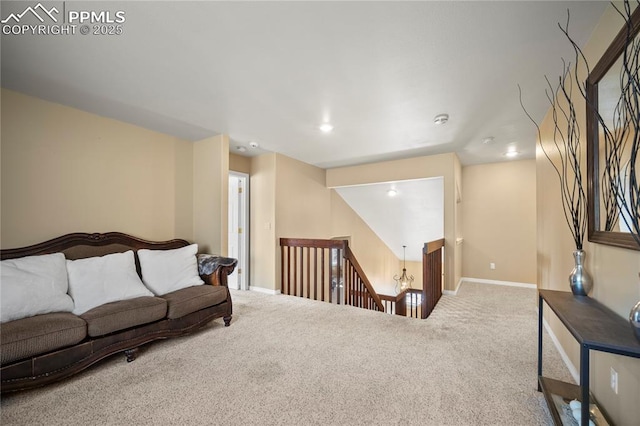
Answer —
243 222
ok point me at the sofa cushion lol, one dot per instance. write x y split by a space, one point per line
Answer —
191 299
164 271
123 314
33 285
95 281
40 334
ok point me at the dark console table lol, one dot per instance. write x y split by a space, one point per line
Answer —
595 327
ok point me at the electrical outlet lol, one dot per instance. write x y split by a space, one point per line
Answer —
492 265
614 381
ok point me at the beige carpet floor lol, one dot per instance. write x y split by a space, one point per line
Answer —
291 361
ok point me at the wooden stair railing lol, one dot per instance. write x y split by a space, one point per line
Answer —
407 304
416 303
432 258
315 269
395 304
358 290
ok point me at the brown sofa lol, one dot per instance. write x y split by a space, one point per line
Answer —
46 348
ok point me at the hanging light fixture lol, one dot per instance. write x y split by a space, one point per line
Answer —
403 281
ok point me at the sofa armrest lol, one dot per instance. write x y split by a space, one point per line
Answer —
214 269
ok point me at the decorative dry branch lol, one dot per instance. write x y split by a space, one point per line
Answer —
607 194
620 192
566 143
619 186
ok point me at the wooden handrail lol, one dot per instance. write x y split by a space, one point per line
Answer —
307 242
306 272
348 254
292 271
389 298
395 304
433 246
431 286
398 304
431 275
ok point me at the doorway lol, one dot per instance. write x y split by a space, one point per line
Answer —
239 229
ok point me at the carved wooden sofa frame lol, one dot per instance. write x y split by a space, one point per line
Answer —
50 367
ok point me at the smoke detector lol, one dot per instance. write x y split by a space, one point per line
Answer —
441 118
487 140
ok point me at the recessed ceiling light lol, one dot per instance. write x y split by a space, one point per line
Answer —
241 148
254 144
392 192
441 118
511 154
326 127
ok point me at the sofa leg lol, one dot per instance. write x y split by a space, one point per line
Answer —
227 321
131 354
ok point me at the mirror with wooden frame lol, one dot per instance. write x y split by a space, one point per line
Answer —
607 223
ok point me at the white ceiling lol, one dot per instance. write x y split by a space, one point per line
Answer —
414 216
270 72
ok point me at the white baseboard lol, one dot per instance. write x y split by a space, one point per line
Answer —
563 354
496 282
453 292
263 290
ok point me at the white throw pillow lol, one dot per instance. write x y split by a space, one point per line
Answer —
164 271
98 280
33 285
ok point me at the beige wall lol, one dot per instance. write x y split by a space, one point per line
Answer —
446 165
160 187
303 201
262 218
211 194
65 170
240 163
615 270
289 199
302 204
499 217
415 269
184 191
456 203
376 258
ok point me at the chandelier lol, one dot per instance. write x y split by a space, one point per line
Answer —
403 281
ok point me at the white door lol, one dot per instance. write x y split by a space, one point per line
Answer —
239 229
